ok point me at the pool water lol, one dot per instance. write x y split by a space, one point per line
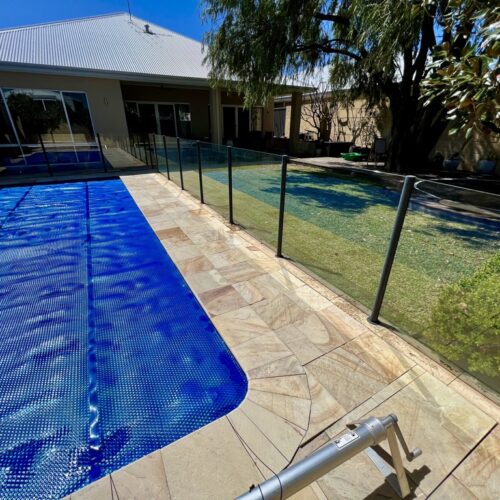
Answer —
105 353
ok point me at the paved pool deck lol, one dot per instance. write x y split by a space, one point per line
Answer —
314 364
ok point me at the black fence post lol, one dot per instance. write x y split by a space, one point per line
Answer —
156 153
138 142
46 156
281 219
404 201
150 152
166 157
202 199
143 151
103 161
137 147
134 147
180 162
230 182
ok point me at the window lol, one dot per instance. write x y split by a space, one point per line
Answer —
183 117
60 119
158 118
7 135
257 119
167 119
132 116
147 118
38 113
78 112
10 152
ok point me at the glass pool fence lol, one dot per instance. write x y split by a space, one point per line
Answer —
420 255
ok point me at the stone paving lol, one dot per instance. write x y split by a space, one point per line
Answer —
314 364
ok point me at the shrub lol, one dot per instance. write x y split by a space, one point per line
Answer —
465 323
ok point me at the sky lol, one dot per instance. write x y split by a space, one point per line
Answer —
182 16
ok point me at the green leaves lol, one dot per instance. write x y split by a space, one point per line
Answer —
468 80
465 324
253 45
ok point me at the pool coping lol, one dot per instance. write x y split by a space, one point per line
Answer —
268 430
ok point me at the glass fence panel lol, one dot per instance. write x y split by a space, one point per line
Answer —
57 158
160 146
189 157
444 287
256 193
171 156
123 153
13 161
214 168
88 156
338 223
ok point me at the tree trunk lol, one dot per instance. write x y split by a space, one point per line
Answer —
414 133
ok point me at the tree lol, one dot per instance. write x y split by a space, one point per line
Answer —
31 118
358 124
379 48
318 112
468 81
336 114
465 323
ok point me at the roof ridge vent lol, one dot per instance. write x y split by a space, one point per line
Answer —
147 29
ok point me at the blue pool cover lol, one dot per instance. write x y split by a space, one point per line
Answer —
105 353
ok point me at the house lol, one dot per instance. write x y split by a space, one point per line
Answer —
354 122
114 75
342 123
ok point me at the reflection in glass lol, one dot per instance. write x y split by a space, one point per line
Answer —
38 112
132 116
167 119
172 120
7 135
183 120
77 108
147 117
58 118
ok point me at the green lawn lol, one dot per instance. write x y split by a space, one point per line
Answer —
339 229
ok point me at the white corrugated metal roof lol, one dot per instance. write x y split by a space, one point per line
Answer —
113 44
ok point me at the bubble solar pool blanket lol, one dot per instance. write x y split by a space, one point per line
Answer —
105 353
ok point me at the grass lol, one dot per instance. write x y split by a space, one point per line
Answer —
339 228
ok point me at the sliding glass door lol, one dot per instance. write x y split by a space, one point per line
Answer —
170 119
57 120
166 116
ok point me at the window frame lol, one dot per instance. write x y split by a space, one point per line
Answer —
74 144
240 106
157 112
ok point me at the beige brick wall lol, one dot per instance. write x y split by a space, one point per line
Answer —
352 116
477 148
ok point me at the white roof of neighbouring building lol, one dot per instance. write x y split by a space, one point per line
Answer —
114 45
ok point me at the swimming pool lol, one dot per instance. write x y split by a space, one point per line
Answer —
105 353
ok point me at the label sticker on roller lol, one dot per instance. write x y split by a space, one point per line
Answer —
346 439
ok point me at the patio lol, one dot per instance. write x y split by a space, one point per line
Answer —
314 364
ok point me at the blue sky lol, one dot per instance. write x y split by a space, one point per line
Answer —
182 16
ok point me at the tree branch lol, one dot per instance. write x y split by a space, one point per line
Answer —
428 40
327 49
334 18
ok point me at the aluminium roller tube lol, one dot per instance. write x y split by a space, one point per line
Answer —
296 477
